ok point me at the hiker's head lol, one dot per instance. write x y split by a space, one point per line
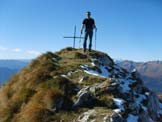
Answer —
88 14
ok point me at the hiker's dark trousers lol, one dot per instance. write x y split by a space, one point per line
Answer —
88 33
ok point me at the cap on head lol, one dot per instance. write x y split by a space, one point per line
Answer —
88 12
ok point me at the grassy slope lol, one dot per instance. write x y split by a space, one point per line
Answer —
31 94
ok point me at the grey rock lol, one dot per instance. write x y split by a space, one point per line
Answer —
153 105
85 99
116 118
144 117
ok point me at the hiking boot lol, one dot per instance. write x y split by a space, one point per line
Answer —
84 50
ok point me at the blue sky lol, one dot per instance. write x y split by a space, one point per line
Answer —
127 29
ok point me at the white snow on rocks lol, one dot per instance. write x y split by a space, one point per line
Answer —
132 118
93 72
125 83
65 76
82 91
119 102
104 71
81 80
124 79
140 98
93 64
55 59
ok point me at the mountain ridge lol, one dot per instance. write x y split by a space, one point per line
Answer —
150 72
70 86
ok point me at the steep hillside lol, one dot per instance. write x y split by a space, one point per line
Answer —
151 72
68 86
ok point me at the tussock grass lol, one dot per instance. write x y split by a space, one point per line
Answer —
62 83
34 113
6 113
33 94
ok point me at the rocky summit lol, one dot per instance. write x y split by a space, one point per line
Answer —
69 86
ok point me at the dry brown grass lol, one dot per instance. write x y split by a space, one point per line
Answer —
51 96
32 94
6 114
61 83
5 95
33 113
38 109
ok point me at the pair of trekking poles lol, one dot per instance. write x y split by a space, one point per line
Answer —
95 38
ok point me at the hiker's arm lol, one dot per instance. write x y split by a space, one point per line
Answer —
94 26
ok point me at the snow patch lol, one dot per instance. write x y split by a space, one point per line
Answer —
134 70
140 98
147 93
125 84
83 91
55 59
93 64
65 76
104 72
119 102
106 118
70 73
81 80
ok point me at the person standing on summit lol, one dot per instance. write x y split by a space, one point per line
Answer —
88 24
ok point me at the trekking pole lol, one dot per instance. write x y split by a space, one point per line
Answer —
95 37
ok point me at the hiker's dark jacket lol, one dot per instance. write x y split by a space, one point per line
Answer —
89 23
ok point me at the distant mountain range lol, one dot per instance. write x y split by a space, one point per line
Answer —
151 72
10 67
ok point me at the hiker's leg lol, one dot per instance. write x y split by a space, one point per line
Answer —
90 39
85 41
